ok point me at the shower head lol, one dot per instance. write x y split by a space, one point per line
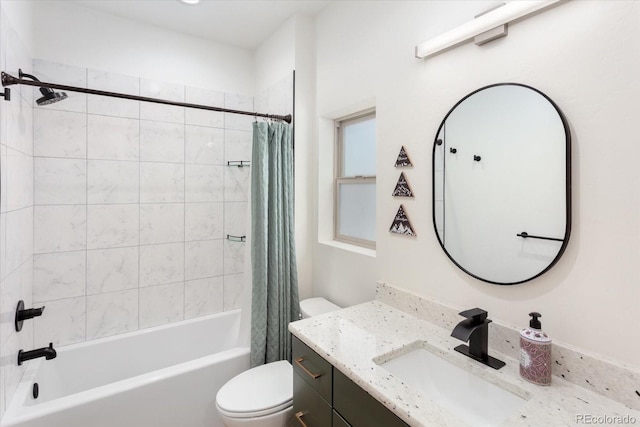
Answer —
48 95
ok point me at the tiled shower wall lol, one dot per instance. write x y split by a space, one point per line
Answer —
132 205
16 210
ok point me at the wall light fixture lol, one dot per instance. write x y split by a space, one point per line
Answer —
483 23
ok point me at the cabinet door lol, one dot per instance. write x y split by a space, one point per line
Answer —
309 408
358 407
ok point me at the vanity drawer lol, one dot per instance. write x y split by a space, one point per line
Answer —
358 407
312 368
309 409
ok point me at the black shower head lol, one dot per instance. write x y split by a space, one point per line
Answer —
48 95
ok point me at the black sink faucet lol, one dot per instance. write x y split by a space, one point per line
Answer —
46 352
475 330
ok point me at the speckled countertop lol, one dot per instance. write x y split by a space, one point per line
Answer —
356 339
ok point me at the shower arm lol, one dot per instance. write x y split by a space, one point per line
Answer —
8 80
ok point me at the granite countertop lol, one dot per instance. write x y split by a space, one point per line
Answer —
356 339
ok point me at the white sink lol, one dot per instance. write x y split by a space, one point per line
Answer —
471 398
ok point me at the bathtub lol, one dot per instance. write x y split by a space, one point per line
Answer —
164 376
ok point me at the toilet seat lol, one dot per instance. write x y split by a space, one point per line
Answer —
260 391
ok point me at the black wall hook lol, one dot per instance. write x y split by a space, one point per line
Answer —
6 94
453 150
477 158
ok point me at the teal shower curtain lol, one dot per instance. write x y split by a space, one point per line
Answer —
274 301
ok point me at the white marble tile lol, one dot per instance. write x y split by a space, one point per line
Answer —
11 288
161 304
233 291
161 182
159 112
19 180
59 275
59 181
19 135
113 138
235 218
3 246
204 117
160 264
3 176
110 270
112 313
59 134
204 145
203 259
237 145
19 237
233 257
110 181
204 221
242 103
111 226
59 228
161 142
203 296
237 184
113 82
63 322
52 72
204 183
161 223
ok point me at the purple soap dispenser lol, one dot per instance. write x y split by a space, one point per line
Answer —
535 353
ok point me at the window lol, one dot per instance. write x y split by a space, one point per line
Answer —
355 183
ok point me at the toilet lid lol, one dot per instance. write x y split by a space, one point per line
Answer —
259 391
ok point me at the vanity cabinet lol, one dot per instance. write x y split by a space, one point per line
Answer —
324 397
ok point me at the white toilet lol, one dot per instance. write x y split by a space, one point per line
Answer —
263 396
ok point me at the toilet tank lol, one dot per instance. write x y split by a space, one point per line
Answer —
314 306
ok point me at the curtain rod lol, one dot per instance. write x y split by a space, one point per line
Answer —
8 80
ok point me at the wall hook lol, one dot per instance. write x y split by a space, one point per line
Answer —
477 158
6 94
453 150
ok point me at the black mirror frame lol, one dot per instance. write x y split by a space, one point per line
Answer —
567 132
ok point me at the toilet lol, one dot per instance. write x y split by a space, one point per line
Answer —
263 396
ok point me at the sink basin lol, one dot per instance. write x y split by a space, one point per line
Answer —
471 398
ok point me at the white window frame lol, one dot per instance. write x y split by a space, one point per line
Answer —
339 177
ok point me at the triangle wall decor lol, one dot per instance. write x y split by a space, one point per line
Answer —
402 187
401 224
403 159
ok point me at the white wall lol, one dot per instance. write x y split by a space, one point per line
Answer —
584 55
292 47
76 35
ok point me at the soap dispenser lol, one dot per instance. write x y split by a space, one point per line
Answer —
535 353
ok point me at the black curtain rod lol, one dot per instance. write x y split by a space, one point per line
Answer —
8 80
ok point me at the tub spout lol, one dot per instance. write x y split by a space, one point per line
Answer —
46 352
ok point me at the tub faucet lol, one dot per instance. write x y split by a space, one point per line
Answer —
475 330
46 352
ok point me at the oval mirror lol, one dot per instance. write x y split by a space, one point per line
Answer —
502 183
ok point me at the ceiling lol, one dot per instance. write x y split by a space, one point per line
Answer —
241 23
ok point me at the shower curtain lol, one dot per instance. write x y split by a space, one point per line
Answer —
274 301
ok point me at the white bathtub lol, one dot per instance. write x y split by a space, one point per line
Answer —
166 376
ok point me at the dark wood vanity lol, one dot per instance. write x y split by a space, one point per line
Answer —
324 397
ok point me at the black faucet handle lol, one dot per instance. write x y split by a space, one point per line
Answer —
475 314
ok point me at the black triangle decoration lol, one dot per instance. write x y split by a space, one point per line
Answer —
403 159
402 187
401 224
